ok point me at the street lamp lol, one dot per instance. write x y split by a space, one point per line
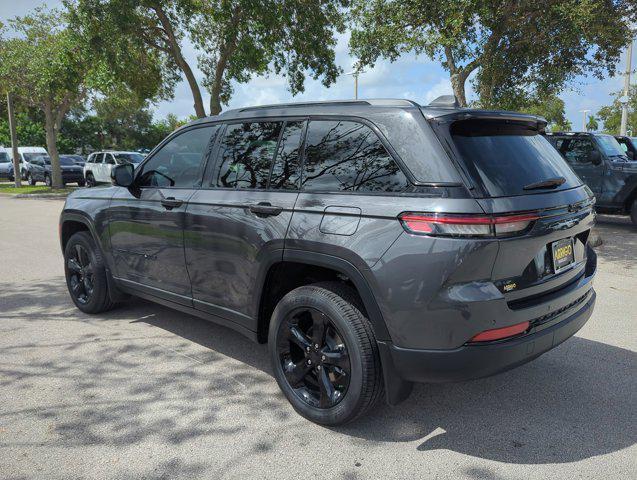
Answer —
585 112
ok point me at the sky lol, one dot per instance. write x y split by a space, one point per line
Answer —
415 78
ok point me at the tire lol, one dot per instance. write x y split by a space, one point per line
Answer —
92 262
47 180
633 212
81 183
340 307
90 180
30 179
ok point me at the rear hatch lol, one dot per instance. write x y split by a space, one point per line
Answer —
510 168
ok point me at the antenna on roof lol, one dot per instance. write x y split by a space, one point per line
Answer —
445 101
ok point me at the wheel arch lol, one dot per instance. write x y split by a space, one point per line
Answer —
325 267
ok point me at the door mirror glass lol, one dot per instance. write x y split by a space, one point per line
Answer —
595 157
123 175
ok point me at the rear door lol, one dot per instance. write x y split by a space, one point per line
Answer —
236 223
146 222
578 151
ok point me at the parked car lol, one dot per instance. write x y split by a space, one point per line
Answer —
99 165
370 243
76 159
39 170
628 145
604 166
26 154
6 166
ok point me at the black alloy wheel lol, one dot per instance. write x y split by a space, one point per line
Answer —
30 179
80 271
47 180
314 357
90 180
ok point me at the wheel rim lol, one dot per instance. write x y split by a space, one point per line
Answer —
314 358
47 180
80 274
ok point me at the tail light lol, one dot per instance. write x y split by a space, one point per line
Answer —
500 333
451 225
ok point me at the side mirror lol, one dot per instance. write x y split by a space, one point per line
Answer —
595 157
123 175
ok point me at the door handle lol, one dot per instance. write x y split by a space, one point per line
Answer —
171 202
265 209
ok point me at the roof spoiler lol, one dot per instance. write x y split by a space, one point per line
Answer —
449 101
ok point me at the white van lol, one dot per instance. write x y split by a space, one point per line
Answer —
99 165
26 155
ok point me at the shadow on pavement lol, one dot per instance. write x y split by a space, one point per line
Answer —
619 238
573 403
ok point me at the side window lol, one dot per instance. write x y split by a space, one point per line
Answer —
348 156
286 169
245 155
99 158
178 162
108 158
577 151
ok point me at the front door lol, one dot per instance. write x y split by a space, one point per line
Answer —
236 224
146 222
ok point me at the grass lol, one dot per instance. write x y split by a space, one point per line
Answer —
10 189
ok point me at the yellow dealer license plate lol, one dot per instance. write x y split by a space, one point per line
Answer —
563 255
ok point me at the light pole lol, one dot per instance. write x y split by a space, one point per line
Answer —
355 74
585 112
624 99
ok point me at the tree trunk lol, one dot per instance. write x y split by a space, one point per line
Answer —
51 145
458 86
175 50
14 142
459 75
226 51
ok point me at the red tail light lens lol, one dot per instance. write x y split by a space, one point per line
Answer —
437 224
500 333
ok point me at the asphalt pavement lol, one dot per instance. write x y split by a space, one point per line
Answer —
145 392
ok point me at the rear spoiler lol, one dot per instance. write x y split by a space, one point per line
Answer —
439 117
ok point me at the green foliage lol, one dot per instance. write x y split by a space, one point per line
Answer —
235 39
517 48
551 107
611 115
592 125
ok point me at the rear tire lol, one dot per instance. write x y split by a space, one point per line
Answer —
31 180
633 212
85 273
351 396
47 180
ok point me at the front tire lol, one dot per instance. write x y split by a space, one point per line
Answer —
30 179
85 274
90 180
47 181
324 354
633 212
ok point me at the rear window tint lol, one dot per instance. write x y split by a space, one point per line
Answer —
348 156
504 158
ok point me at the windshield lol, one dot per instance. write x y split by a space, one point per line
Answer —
610 146
506 158
66 161
128 157
30 156
4 158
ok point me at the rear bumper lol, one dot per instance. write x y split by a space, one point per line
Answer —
475 361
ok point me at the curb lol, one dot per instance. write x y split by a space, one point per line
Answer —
54 196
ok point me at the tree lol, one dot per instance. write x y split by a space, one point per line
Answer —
592 125
512 47
235 39
551 107
611 115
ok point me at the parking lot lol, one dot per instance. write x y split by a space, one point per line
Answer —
147 392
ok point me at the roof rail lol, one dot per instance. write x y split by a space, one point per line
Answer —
378 102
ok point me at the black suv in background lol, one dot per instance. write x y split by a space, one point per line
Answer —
628 145
371 244
39 170
607 168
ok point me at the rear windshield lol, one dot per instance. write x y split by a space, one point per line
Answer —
504 158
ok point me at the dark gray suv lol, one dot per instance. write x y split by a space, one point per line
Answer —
371 244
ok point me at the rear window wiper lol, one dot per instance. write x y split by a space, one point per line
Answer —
550 183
